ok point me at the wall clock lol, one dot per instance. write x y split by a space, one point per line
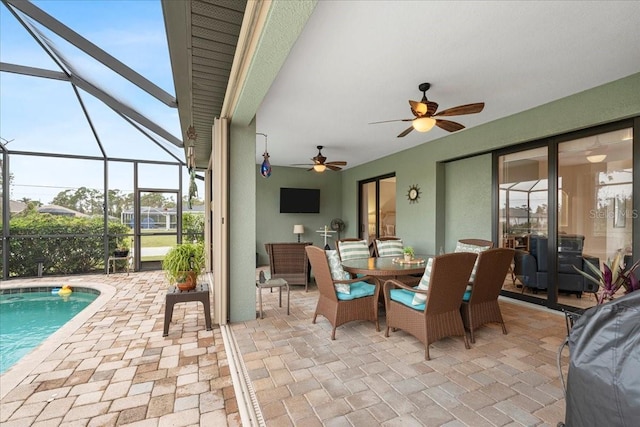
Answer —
413 194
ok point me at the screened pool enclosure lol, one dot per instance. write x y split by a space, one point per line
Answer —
91 153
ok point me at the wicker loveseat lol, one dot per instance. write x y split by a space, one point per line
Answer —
289 261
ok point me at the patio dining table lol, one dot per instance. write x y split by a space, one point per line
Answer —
382 268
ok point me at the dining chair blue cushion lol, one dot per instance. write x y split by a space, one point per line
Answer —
337 272
390 248
353 250
466 296
358 290
405 297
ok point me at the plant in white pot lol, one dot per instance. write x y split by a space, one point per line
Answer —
408 253
183 263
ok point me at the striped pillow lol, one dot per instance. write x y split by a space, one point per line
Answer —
424 284
389 248
463 247
353 250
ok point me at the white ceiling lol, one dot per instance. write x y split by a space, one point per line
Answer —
361 61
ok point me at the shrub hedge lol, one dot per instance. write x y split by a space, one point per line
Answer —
78 247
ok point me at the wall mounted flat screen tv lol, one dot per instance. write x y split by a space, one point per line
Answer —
299 200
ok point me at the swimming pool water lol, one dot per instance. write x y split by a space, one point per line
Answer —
28 318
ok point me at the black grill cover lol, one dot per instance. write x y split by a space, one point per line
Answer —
603 383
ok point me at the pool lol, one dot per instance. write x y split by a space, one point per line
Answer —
30 315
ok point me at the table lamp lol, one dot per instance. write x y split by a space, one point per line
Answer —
298 229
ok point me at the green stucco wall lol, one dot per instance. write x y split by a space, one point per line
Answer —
272 226
242 222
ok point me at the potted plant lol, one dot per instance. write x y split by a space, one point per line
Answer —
121 252
613 276
183 263
408 253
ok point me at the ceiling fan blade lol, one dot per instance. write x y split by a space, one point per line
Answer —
432 107
406 132
338 163
448 125
333 167
462 109
301 164
389 121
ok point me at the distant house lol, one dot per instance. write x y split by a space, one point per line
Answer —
60 210
15 207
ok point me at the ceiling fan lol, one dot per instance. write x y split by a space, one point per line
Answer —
320 163
425 114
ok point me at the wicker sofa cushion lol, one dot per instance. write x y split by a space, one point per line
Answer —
353 250
424 284
389 247
463 247
405 297
337 272
358 290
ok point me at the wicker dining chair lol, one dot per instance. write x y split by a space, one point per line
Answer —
289 261
480 303
439 316
477 242
336 310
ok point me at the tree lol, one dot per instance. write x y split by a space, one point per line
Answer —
156 200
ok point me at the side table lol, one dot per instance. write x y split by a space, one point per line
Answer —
273 283
113 259
175 295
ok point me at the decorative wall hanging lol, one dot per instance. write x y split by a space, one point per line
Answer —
413 194
191 164
265 167
192 136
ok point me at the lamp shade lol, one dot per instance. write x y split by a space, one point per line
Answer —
423 124
597 158
298 229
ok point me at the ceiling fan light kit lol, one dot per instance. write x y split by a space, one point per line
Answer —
319 168
596 158
423 124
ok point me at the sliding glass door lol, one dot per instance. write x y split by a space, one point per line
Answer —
595 213
523 221
377 207
564 205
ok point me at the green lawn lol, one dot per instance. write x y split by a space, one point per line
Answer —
158 241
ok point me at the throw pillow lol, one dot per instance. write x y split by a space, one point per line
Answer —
463 247
337 272
424 284
389 248
353 250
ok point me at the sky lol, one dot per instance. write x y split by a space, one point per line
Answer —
44 115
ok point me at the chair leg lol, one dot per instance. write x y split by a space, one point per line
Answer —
333 334
426 352
504 329
467 308
466 342
314 318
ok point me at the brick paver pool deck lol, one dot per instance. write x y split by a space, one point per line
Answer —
114 368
